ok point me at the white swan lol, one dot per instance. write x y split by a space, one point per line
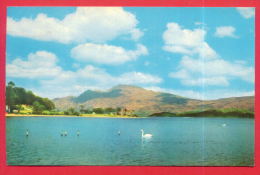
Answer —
78 133
224 125
146 136
27 132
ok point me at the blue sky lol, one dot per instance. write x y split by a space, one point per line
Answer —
201 53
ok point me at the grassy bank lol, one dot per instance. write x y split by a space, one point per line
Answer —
209 113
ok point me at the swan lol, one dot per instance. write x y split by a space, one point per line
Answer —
78 133
146 136
65 133
118 133
27 132
224 125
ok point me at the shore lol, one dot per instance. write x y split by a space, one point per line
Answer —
82 115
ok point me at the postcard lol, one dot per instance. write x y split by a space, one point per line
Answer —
130 86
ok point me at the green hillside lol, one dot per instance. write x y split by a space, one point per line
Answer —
20 100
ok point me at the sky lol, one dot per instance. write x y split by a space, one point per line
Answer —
200 53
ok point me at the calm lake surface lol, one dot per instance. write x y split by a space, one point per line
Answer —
180 141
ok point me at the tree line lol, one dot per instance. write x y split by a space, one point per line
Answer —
17 96
82 110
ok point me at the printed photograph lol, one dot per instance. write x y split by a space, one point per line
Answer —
130 86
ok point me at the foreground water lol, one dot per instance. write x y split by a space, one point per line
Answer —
176 141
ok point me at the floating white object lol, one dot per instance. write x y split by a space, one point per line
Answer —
27 133
146 136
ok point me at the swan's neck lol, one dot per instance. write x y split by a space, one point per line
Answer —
142 133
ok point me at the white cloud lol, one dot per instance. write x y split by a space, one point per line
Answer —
39 64
90 77
205 94
94 24
138 78
136 34
185 41
225 31
56 82
246 12
200 64
218 72
101 77
181 74
208 81
106 54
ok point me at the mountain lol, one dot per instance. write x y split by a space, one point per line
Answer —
139 99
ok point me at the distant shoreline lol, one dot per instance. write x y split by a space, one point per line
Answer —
84 115
208 113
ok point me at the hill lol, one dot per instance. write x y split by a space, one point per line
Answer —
20 100
140 99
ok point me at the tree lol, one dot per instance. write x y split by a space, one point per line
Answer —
48 104
98 110
16 96
10 83
21 95
118 109
109 110
38 107
30 98
87 111
19 107
81 109
11 96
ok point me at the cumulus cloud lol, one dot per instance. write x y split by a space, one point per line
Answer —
225 31
38 65
185 41
103 78
56 82
218 72
200 65
94 24
106 54
94 78
246 12
218 81
138 78
136 34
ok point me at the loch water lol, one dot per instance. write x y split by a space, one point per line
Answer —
176 141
